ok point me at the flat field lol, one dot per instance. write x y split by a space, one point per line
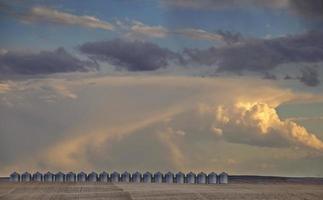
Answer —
240 188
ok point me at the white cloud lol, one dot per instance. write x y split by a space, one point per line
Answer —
180 132
136 29
199 34
151 31
256 122
133 28
49 15
217 131
64 91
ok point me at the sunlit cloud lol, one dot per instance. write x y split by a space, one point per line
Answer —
174 110
255 122
49 15
4 87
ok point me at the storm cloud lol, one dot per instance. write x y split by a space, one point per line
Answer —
304 8
131 55
310 76
262 55
44 62
308 8
177 118
224 4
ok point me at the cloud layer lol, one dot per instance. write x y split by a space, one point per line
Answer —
48 15
262 54
138 30
131 29
308 8
220 4
305 8
183 116
310 76
45 62
131 55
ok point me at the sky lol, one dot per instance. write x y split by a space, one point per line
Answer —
162 85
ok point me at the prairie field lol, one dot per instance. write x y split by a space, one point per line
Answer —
238 189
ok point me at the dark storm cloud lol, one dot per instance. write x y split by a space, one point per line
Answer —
261 55
305 8
288 77
270 76
310 76
308 8
131 55
45 62
224 4
230 37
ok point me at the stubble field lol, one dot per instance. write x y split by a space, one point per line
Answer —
251 190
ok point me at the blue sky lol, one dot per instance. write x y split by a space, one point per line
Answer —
249 21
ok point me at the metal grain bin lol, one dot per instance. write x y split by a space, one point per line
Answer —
191 178
125 177
158 177
70 177
147 177
169 177
26 177
136 177
212 178
37 177
104 177
81 177
180 178
14 177
49 177
223 178
201 178
115 177
92 177
59 177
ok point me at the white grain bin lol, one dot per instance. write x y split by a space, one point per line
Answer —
136 177
223 178
26 177
180 178
115 177
81 177
92 177
49 177
14 177
125 177
70 177
201 178
169 177
59 177
158 177
191 178
212 178
37 177
104 177
147 177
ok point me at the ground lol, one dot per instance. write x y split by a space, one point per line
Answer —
249 190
